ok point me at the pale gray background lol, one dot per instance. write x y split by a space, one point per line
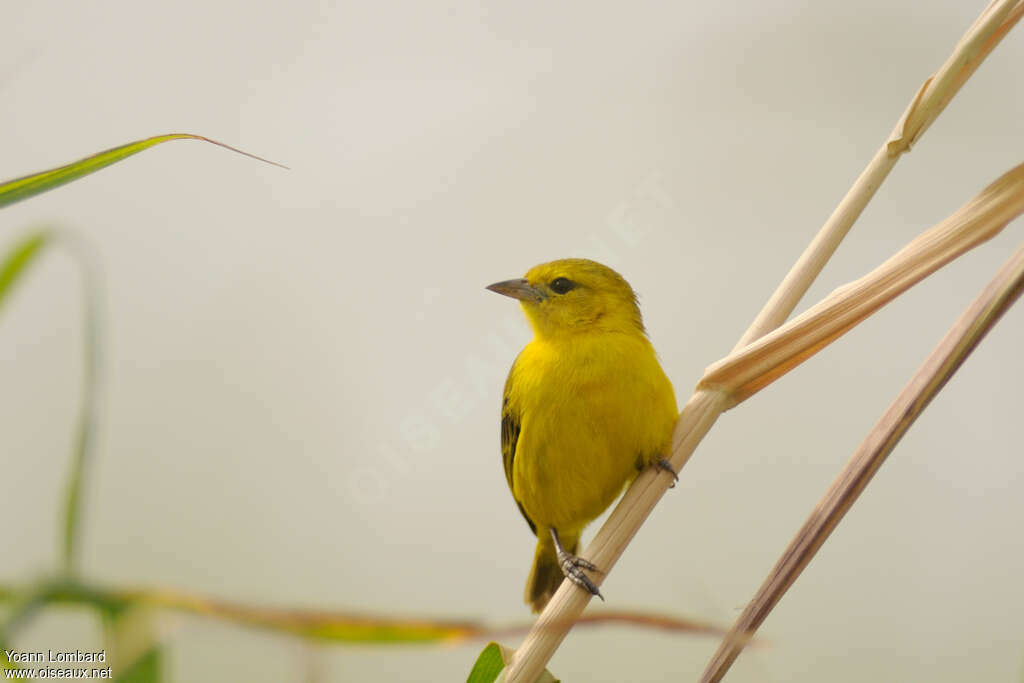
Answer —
304 370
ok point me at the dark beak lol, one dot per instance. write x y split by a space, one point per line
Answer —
518 289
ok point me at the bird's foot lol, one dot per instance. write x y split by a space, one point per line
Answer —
665 466
573 566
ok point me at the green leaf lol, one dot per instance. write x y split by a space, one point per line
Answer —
18 259
22 188
133 650
490 666
146 669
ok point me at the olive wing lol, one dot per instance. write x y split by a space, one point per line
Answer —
511 426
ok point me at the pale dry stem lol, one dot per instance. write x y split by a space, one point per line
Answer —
758 364
943 362
972 49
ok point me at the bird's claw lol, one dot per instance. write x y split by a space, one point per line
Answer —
573 566
666 466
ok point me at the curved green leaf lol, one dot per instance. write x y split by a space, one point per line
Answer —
22 188
146 669
18 260
490 666
12 267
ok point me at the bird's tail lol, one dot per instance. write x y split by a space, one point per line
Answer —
546 575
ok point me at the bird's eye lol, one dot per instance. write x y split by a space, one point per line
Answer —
561 285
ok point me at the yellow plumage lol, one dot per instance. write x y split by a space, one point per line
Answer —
586 406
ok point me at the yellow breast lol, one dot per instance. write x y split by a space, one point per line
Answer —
594 409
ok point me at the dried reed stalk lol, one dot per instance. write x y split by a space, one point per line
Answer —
943 362
936 92
709 401
758 364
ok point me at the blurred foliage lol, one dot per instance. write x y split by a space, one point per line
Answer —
146 669
123 632
313 624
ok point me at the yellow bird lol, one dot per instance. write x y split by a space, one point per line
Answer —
586 407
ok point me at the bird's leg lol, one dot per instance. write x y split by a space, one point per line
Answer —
666 466
573 566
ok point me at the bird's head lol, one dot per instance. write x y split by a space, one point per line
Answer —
574 295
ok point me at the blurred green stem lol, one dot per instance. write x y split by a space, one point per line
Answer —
13 267
81 456
22 604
